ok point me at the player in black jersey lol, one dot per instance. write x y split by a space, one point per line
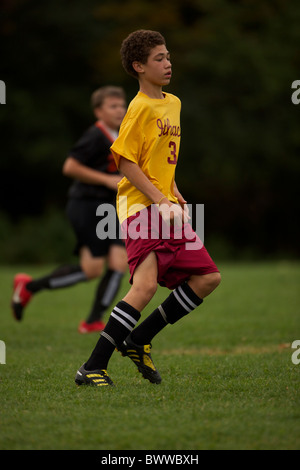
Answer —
95 175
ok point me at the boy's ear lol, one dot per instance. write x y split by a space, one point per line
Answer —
138 67
97 112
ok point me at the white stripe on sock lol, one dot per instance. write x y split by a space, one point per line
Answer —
68 280
112 286
163 313
126 315
108 337
129 327
186 297
186 307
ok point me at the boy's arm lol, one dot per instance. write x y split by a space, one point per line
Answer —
76 170
182 202
179 196
169 211
138 178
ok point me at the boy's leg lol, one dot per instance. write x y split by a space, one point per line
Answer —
25 286
126 314
105 293
108 286
64 276
204 285
69 274
144 283
179 303
187 296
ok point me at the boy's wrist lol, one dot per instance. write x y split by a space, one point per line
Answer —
164 201
161 199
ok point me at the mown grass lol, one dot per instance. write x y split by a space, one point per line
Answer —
228 378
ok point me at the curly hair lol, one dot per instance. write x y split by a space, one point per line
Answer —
137 47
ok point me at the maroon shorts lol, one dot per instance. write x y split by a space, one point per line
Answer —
179 251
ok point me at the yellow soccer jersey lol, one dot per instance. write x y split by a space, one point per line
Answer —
150 137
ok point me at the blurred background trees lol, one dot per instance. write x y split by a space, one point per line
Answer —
233 66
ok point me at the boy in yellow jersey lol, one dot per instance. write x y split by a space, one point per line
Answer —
148 201
147 141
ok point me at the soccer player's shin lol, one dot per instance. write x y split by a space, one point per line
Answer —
64 276
105 293
120 324
179 303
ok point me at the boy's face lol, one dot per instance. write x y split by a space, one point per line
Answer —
158 68
111 112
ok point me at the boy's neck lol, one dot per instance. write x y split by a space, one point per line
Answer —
109 129
113 133
153 91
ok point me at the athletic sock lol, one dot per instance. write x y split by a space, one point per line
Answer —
179 303
105 294
149 328
121 322
64 276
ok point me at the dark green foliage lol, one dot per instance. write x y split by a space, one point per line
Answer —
233 66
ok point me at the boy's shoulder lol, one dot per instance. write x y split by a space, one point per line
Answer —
172 97
142 103
142 98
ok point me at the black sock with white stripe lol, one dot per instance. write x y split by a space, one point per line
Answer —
121 322
105 294
179 303
63 276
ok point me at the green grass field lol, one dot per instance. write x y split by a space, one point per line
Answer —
228 378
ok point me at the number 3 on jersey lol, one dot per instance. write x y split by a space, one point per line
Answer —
173 159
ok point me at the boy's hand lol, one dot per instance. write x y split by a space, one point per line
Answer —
182 202
173 214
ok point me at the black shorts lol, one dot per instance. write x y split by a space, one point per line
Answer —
83 218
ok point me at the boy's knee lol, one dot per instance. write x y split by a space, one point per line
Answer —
204 285
92 270
212 281
150 289
216 279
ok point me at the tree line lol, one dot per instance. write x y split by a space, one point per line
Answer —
234 63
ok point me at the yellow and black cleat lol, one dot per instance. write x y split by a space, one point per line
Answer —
141 356
96 378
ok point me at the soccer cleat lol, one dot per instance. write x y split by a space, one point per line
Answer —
21 296
96 378
84 327
141 356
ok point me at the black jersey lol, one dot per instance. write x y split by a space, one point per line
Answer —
93 150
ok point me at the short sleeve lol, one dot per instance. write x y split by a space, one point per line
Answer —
130 141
